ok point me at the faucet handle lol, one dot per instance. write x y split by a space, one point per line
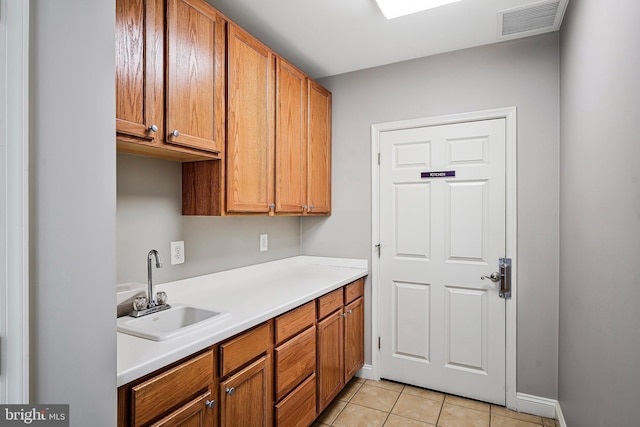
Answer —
161 298
140 303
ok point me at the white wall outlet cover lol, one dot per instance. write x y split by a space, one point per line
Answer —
264 242
177 252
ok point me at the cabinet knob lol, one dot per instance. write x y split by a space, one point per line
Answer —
153 128
175 133
304 207
344 315
230 391
210 403
311 207
271 206
349 311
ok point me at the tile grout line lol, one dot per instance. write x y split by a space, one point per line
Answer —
394 405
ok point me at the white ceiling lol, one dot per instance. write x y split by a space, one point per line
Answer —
329 37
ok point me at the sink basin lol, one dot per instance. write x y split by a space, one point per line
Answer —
176 321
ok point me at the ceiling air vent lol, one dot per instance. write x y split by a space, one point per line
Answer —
536 18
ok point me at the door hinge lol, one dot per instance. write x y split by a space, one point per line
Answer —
378 343
378 247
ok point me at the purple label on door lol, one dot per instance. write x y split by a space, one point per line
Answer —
441 174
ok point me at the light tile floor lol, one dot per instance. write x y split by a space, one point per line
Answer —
366 403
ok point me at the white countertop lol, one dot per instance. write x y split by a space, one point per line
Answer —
251 294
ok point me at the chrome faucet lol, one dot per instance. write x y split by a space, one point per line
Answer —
152 304
150 295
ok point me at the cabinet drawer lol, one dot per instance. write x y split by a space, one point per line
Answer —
353 290
196 412
299 408
295 321
295 360
329 303
241 350
164 391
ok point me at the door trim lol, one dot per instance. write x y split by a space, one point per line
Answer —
14 203
509 114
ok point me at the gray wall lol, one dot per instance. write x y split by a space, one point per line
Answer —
149 217
599 372
73 203
522 73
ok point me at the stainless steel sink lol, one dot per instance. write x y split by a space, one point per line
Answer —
178 320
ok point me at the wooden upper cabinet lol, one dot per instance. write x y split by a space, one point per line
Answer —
195 67
250 135
139 69
291 139
319 150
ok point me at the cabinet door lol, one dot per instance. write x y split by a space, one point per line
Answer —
250 153
319 150
246 397
330 373
195 104
197 413
291 138
139 69
353 338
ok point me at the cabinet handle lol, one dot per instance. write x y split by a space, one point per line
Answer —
175 133
230 391
153 128
210 403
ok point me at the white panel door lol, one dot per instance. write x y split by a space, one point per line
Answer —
441 326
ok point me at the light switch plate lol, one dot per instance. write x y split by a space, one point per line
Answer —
264 242
177 252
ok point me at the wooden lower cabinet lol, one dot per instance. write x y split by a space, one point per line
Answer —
330 358
340 341
246 396
295 367
353 338
285 371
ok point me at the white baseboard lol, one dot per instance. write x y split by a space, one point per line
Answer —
366 372
536 405
559 416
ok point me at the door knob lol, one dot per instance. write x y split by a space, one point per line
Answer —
494 277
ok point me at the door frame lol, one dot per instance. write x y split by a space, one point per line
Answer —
14 202
509 114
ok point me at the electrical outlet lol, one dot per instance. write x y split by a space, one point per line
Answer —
177 252
264 242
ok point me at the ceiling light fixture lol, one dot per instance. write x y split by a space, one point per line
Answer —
395 8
